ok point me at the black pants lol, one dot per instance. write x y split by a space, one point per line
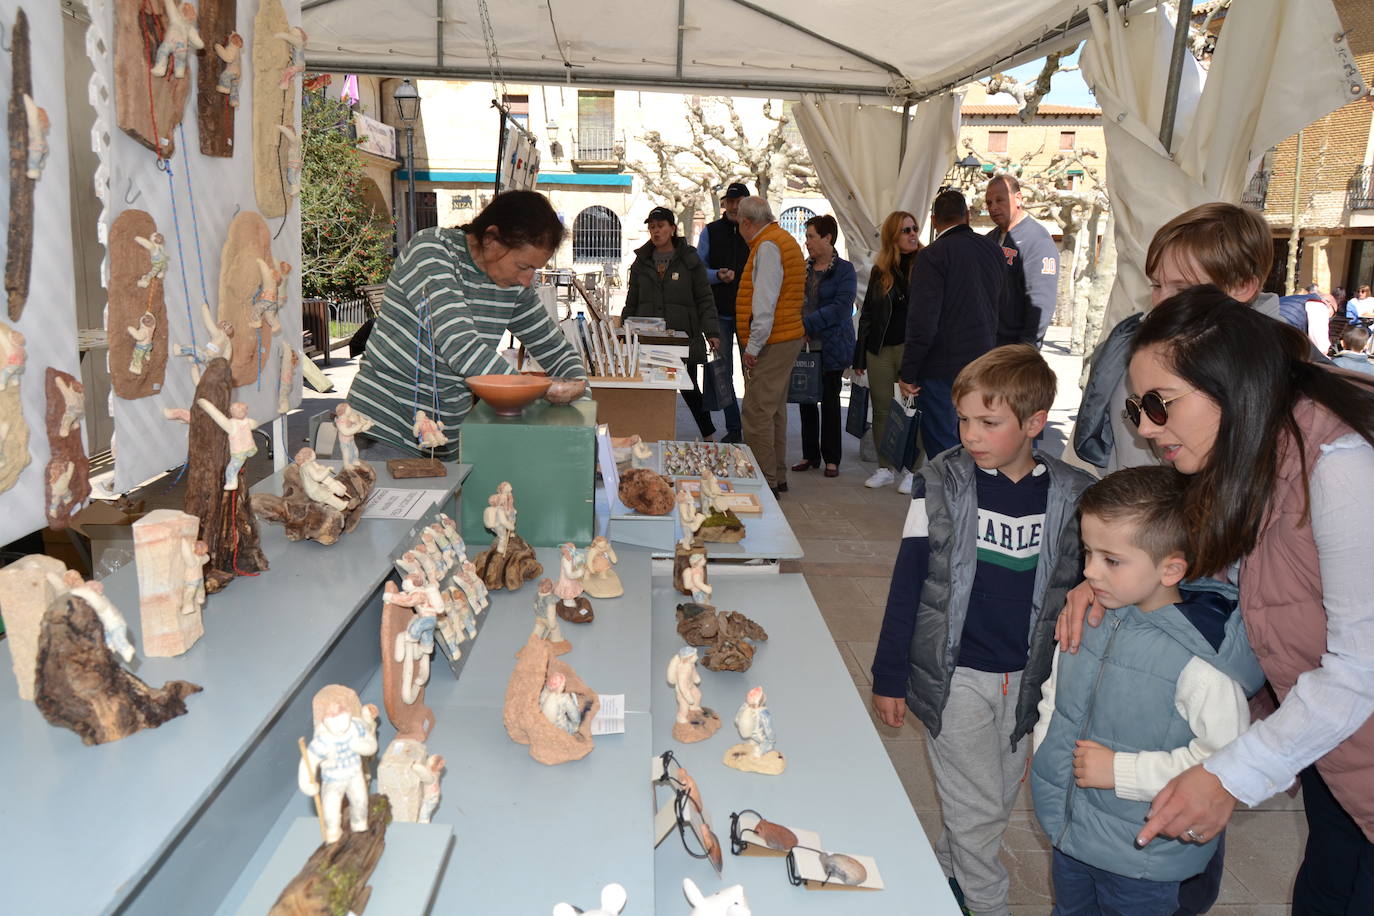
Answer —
820 423
694 403
1337 873
1198 893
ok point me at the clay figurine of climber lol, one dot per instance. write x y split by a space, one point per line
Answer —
267 297
39 125
319 481
348 423
112 622
498 521
295 39
294 159
221 343
59 486
231 74
73 405
157 257
430 432
194 556
143 342
340 742
239 427
181 35
13 355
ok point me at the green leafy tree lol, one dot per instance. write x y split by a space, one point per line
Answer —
345 241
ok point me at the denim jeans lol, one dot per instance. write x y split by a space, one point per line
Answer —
1081 889
727 353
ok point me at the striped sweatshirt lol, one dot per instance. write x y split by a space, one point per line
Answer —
468 314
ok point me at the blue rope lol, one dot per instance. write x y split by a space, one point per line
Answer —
166 166
195 220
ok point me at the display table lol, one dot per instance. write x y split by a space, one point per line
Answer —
767 535
164 820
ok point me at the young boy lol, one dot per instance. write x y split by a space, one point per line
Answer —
989 549
1157 688
1352 356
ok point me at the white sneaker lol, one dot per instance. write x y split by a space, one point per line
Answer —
880 478
905 486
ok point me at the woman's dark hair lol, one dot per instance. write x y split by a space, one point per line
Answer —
1256 369
825 225
518 218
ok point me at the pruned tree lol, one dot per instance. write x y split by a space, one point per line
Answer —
1028 97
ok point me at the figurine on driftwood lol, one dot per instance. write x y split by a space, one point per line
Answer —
430 433
728 902
295 39
755 725
238 426
143 342
572 606
316 502
171 581
694 722
157 259
221 343
65 407
39 125
294 159
348 423
80 684
345 732
231 74
115 627
28 588
724 634
509 562
334 879
694 579
319 481
645 492
180 37
546 618
290 359
532 687
266 301
601 580
409 776
613 898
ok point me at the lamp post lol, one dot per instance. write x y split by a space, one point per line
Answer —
408 107
963 172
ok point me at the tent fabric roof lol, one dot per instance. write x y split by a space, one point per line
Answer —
884 48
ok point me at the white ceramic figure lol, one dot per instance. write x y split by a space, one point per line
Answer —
348 423
430 777
429 432
561 708
295 39
755 722
729 902
194 556
444 544
112 622
711 494
462 611
13 355
39 125
143 342
73 405
641 455
428 563
685 678
473 586
694 579
180 37
690 516
498 521
157 259
267 297
289 360
340 743
454 537
319 481
59 486
507 494
221 343
294 159
613 898
571 570
443 561
622 448
239 427
231 74
601 580
546 613
409 564
415 643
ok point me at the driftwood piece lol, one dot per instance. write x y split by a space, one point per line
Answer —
646 492
511 569
724 634
249 239
525 722
227 522
141 99
214 114
19 254
65 449
334 879
305 519
14 429
415 720
81 685
26 593
272 106
130 262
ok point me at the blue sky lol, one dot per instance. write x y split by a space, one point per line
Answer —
1066 88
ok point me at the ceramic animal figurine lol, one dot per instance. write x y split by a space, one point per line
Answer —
181 35
319 481
239 427
348 423
143 342
267 297
601 580
221 343
694 579
13 356
498 521
294 160
73 406
545 615
755 725
39 125
613 898
231 74
562 709
729 902
345 732
694 722
430 432
115 627
157 257
295 39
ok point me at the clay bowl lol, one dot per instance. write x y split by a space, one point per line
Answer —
565 390
508 395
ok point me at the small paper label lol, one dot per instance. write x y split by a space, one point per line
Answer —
610 719
394 502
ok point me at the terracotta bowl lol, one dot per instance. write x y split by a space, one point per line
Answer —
565 390
508 395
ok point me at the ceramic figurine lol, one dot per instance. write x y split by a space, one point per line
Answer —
562 709
473 586
427 564
430 780
294 159
430 432
711 494
571 571
729 902
267 297
443 560
73 405
622 448
694 579
295 39
690 517
506 493
181 35
344 734
440 535
231 74
613 898
755 724
498 521
641 455
239 427
12 357
157 258
451 528
409 563
193 560
290 359
59 486
116 628
319 481
545 615
143 342
461 613
694 722
39 125
348 423
601 580
415 644
402 771
221 343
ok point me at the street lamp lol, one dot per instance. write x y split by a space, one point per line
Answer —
963 171
408 107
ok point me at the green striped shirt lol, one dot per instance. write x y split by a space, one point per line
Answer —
468 314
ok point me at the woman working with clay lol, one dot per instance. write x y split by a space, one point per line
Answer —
451 296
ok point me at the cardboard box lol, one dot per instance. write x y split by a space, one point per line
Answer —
649 412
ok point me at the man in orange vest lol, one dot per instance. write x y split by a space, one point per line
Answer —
768 315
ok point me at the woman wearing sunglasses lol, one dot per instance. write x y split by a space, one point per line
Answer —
1281 452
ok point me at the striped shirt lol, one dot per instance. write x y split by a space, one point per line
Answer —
468 314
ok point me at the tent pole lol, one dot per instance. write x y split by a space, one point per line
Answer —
818 36
438 33
906 125
681 25
1166 127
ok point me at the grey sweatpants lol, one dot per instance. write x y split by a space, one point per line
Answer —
977 776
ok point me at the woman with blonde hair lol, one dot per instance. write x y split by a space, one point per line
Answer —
882 328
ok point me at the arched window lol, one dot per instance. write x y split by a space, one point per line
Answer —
794 219
596 236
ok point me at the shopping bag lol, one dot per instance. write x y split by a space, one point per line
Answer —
899 437
804 387
856 418
717 384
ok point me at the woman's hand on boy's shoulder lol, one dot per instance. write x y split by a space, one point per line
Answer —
891 711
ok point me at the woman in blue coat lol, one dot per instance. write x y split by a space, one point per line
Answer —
828 317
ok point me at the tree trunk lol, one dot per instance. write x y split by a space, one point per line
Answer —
1102 288
334 879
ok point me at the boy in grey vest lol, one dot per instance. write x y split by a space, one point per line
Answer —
1156 689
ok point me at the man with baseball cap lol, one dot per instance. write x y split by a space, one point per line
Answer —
724 253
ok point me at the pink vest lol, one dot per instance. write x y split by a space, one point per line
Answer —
1281 601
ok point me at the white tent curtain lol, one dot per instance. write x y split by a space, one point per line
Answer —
1257 91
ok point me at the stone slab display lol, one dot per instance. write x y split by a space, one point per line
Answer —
170 624
25 596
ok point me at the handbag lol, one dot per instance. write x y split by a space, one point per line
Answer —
899 436
718 384
804 387
856 418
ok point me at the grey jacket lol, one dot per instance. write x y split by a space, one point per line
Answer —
952 508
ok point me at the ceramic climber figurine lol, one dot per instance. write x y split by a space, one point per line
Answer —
711 494
691 517
498 521
267 297
507 494
194 556
685 678
429 776
295 39
13 355
415 643
409 563
430 432
755 722
294 160
473 586
462 611
239 426
157 258
348 423
181 35
59 486
451 527
38 125
143 342
545 613
319 482
73 405
694 579
221 343
427 563
443 562
571 571
231 74
112 622
561 708
336 751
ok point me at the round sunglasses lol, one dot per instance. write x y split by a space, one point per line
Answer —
1152 406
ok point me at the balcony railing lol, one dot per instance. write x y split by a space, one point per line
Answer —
1257 191
1359 190
598 148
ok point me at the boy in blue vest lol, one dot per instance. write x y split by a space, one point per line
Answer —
1159 687
989 549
